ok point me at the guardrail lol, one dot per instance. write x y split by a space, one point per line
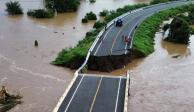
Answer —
127 88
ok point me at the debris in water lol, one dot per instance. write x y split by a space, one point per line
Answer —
8 101
36 43
176 56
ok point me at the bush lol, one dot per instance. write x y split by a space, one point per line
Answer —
92 1
165 27
104 13
179 31
84 20
40 13
98 24
91 16
63 5
192 31
160 1
14 8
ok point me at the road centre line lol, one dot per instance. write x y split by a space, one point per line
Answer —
96 94
131 13
119 33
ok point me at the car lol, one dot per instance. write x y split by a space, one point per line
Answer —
119 23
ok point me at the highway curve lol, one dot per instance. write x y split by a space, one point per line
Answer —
112 42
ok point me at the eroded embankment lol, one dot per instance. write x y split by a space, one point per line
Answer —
110 63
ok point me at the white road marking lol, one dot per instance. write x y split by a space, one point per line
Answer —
118 91
118 35
96 94
73 94
103 39
132 35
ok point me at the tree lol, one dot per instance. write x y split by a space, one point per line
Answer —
179 31
14 8
91 16
62 5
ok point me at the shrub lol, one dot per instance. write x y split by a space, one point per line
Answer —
179 31
92 1
160 1
91 16
40 13
98 24
104 13
14 8
165 27
84 20
63 5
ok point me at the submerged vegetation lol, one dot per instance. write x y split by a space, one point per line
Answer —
179 31
104 13
14 8
160 1
62 5
91 16
92 1
8 101
41 13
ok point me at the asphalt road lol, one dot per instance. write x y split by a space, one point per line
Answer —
112 42
95 94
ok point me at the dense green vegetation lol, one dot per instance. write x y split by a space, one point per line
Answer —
13 8
160 1
62 5
68 56
179 31
104 13
84 20
41 13
99 24
144 35
91 16
92 1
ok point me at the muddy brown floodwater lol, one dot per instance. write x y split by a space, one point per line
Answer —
26 68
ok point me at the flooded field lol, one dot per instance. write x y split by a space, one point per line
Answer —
26 68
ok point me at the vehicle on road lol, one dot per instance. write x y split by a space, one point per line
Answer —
119 23
126 39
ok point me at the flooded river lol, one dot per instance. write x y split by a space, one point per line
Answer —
26 68
160 83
